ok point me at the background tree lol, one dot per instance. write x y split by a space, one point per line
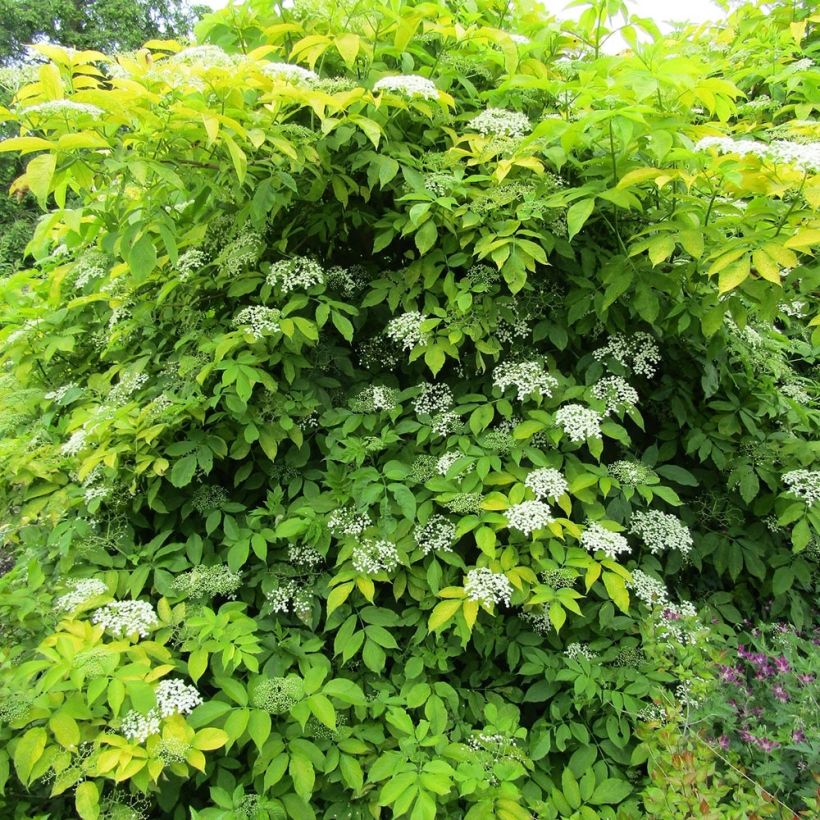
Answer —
103 25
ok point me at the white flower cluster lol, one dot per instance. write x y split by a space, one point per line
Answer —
89 266
631 472
346 521
445 423
408 85
258 320
190 262
301 555
616 392
299 272
529 516
138 728
579 650
175 697
527 377
447 460
805 484
376 397
578 422
433 398
372 556
673 626
500 123
597 537
82 590
123 618
289 73
406 329
128 384
804 156
795 392
437 533
639 352
60 393
538 619
488 587
62 108
546 482
203 57
648 589
661 531
75 443
795 309
291 594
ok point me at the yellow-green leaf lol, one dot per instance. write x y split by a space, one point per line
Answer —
210 738
443 612
338 595
616 588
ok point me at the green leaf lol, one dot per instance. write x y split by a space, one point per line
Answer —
87 800
197 664
28 751
442 613
183 471
345 690
426 236
782 580
343 325
39 173
434 359
323 709
577 215
303 775
142 258
481 417
610 791
65 729
616 588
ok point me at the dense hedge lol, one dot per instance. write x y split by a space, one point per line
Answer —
390 386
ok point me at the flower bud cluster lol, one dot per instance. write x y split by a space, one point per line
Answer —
276 695
208 582
631 473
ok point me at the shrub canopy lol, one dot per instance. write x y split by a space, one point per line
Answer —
381 371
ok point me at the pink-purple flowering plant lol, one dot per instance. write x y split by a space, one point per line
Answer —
763 710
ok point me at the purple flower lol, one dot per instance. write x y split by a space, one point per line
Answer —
723 741
766 745
798 736
746 736
806 679
780 693
782 664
